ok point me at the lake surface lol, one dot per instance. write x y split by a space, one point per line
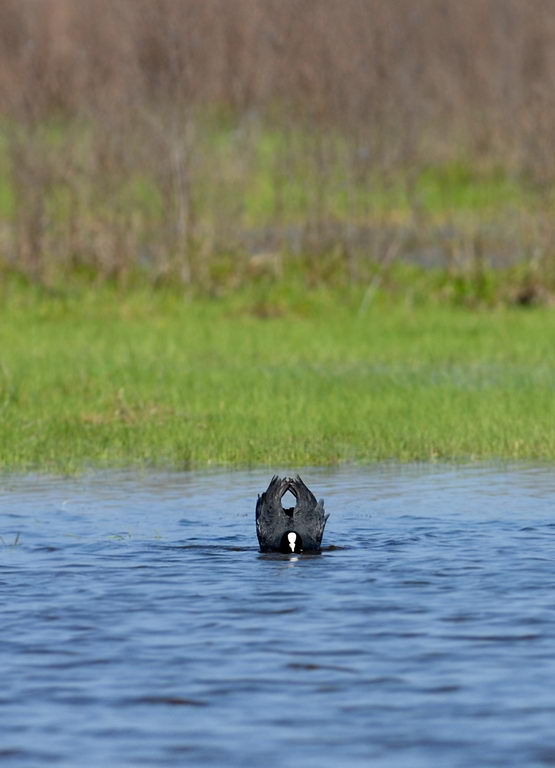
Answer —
139 624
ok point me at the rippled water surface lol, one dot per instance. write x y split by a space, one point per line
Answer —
141 626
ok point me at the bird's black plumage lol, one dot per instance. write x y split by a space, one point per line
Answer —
307 518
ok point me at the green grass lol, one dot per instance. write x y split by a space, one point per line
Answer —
150 378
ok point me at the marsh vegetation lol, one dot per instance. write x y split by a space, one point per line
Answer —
275 232
204 142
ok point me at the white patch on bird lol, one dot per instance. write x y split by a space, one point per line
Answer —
292 538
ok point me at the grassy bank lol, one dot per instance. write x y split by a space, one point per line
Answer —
149 378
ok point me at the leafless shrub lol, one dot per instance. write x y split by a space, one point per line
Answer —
186 136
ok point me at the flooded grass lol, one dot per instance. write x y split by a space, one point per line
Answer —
150 378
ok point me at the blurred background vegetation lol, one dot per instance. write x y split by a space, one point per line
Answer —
214 144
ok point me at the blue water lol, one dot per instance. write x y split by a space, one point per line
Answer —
140 625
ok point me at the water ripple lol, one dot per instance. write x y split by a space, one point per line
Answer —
141 626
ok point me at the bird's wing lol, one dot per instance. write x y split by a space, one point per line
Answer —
305 497
309 516
309 524
271 520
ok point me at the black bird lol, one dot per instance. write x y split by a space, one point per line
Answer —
299 529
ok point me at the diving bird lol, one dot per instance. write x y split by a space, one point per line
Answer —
299 529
